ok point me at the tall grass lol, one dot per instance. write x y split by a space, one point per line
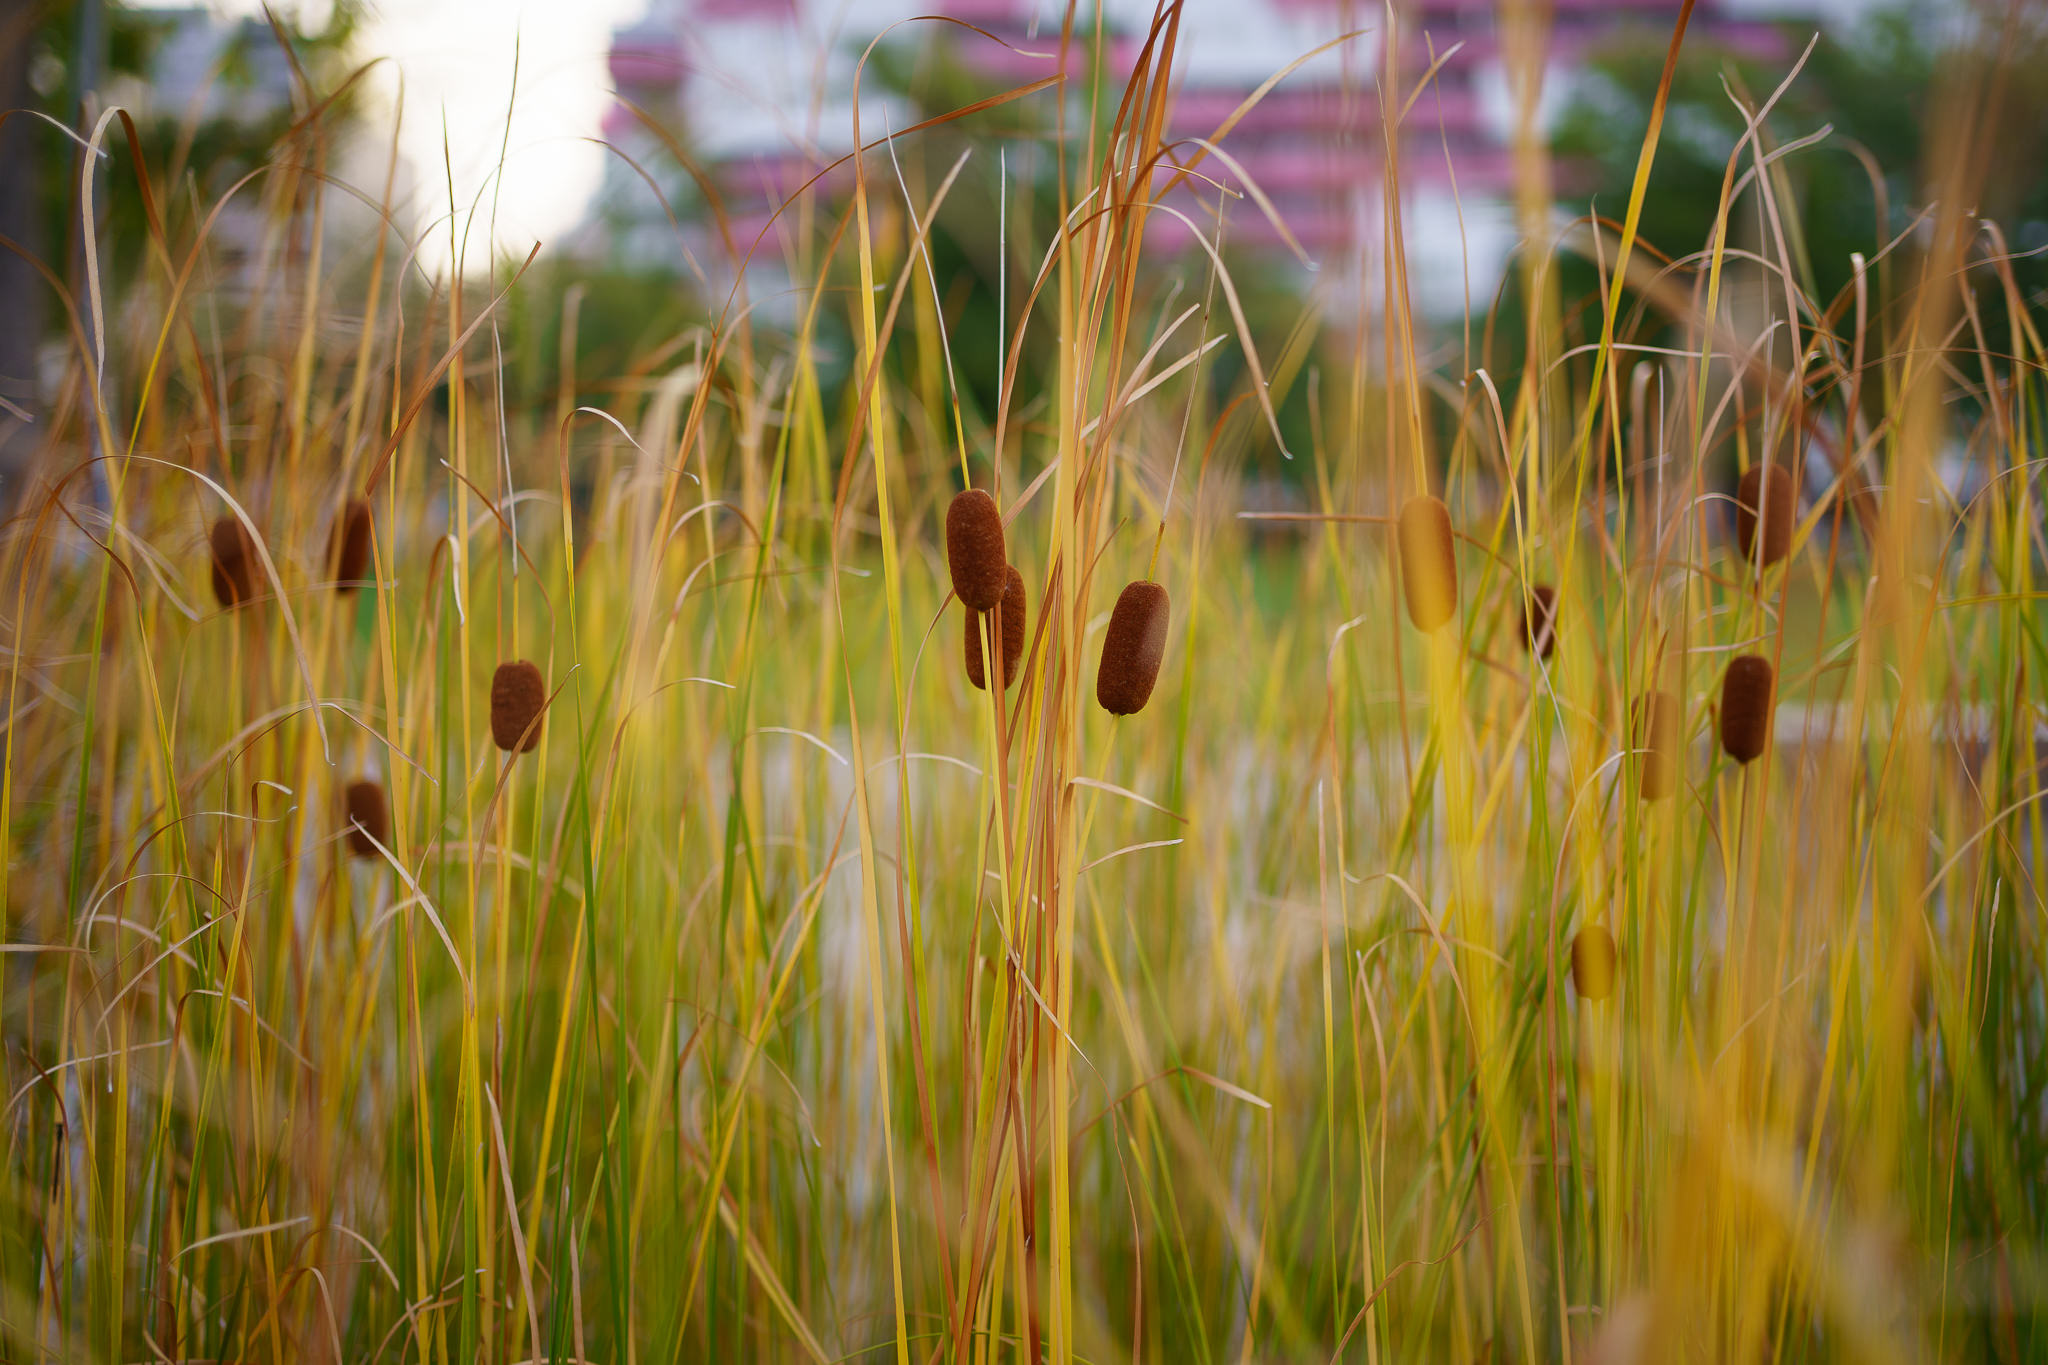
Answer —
793 999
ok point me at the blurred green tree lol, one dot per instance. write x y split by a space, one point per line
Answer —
1875 84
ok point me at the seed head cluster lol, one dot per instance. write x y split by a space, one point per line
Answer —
974 549
1009 646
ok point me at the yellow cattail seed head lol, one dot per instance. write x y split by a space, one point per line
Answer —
1429 564
1656 734
1593 963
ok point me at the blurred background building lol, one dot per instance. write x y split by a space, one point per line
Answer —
604 130
761 90
218 86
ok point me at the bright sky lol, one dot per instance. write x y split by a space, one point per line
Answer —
456 59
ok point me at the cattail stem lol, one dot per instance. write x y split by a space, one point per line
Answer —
1010 649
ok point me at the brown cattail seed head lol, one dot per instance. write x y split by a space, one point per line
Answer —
348 545
518 694
1429 568
1766 500
1132 648
1746 697
1593 963
234 561
1655 735
1539 620
1011 648
367 808
974 549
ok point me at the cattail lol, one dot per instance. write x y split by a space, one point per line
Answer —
1746 695
518 695
1132 648
234 561
1429 568
1766 496
1539 621
1657 722
1593 963
348 545
369 818
974 549
1012 645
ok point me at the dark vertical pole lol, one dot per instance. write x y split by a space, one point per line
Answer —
21 289
86 61
86 83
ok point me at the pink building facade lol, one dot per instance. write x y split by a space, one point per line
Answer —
762 91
